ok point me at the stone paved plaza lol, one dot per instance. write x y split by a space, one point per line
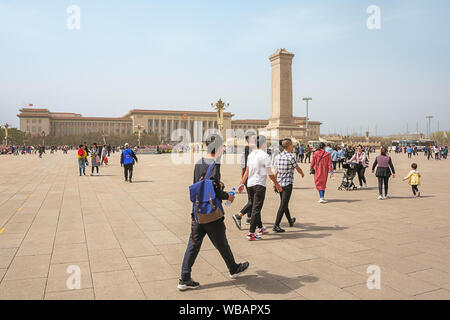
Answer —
129 239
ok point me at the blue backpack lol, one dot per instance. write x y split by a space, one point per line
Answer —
207 207
127 157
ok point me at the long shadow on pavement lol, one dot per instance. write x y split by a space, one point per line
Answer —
266 282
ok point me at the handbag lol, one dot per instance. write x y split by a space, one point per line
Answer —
313 171
207 207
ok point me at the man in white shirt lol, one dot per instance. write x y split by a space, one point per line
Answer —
258 168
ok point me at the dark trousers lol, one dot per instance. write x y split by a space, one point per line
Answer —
409 155
361 177
334 165
415 189
285 196
216 233
128 171
247 209
308 157
302 156
381 181
257 194
92 168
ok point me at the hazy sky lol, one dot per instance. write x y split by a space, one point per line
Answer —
187 54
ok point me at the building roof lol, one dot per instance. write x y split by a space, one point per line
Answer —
176 112
250 121
45 113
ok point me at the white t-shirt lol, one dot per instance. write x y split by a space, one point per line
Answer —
258 163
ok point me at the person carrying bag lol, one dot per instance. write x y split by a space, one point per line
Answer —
207 216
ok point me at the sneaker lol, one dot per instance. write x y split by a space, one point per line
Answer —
322 200
291 224
242 267
365 185
247 222
238 220
186 285
253 237
131 181
277 229
261 231
380 197
387 196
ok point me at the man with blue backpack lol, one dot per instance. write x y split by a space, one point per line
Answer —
207 215
127 160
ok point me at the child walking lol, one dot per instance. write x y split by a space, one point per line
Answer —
414 179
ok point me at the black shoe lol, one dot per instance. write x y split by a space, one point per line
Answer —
278 229
291 224
242 267
186 285
248 221
237 219
131 181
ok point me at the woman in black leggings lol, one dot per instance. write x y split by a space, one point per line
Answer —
384 170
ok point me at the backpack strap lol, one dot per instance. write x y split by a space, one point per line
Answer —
208 173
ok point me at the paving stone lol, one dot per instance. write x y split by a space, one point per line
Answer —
117 285
69 252
138 248
81 294
151 268
29 289
28 267
60 273
108 260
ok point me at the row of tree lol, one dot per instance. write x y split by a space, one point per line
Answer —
441 137
17 137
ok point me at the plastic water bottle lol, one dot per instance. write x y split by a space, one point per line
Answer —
232 192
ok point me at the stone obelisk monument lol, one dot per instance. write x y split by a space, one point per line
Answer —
281 122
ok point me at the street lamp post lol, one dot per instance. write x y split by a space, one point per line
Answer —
139 127
220 106
307 99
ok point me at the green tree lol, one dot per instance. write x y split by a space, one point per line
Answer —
441 137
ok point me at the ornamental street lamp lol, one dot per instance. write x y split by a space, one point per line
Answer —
139 127
220 106
307 99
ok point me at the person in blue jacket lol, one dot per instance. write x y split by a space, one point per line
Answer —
127 160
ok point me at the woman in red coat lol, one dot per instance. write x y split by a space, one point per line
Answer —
321 164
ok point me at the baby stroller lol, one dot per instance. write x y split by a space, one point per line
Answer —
349 175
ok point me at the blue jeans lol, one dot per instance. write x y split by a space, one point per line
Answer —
82 165
322 193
